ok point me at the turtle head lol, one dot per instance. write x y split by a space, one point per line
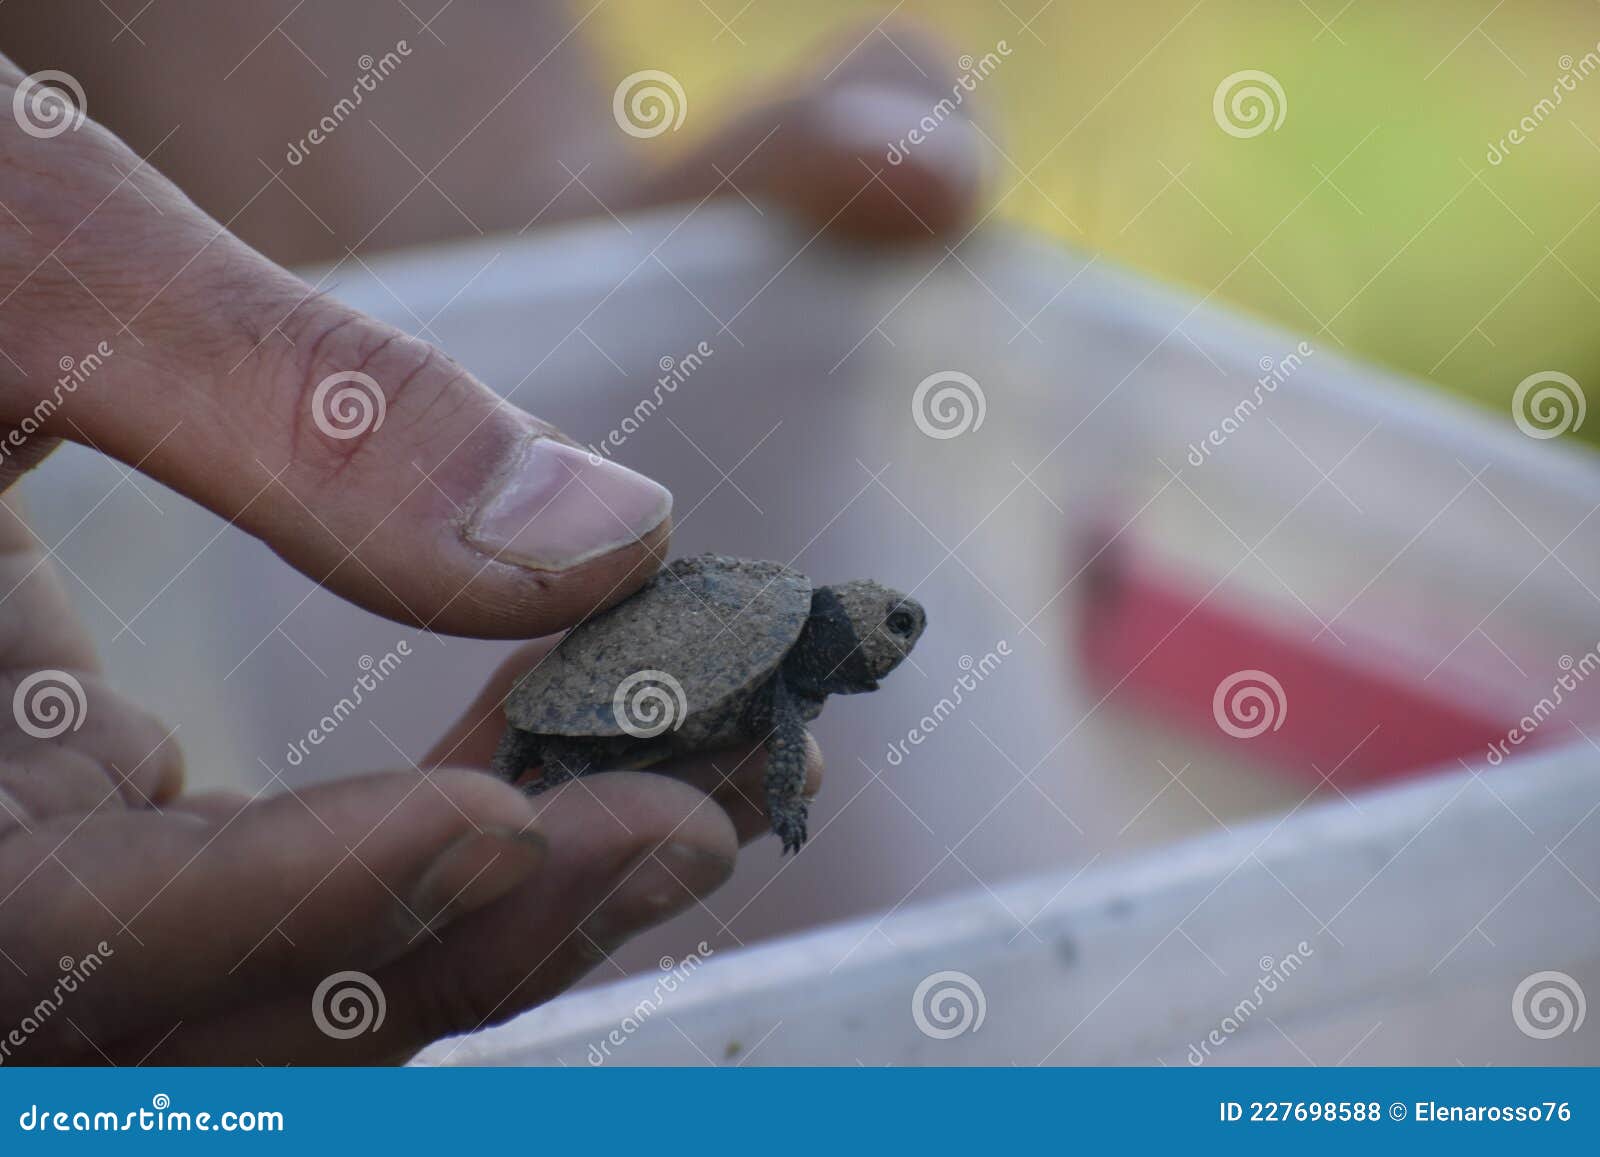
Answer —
884 625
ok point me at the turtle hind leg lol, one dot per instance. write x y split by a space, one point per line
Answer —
561 760
518 751
558 760
787 806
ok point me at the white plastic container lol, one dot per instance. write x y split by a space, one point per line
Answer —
1412 605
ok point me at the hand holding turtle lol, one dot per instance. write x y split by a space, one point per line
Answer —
463 900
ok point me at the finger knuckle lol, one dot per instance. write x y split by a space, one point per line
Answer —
358 385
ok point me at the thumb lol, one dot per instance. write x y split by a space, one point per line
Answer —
367 459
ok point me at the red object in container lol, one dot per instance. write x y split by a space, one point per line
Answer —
1154 638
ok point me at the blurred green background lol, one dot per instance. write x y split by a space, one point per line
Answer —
1371 219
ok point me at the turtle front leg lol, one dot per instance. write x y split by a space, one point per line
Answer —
786 768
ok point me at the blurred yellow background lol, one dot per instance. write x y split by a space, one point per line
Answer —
1371 219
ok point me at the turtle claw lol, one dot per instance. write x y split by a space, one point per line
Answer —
789 825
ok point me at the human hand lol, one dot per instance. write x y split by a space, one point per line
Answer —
212 919
819 144
509 112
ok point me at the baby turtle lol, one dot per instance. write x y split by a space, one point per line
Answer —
711 653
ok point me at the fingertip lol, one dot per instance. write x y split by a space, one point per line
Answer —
894 180
167 768
636 811
815 765
508 600
553 506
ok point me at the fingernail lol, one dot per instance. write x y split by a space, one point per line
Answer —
659 884
555 506
475 871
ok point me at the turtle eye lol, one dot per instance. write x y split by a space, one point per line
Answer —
901 622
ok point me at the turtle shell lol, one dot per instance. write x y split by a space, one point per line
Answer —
710 627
